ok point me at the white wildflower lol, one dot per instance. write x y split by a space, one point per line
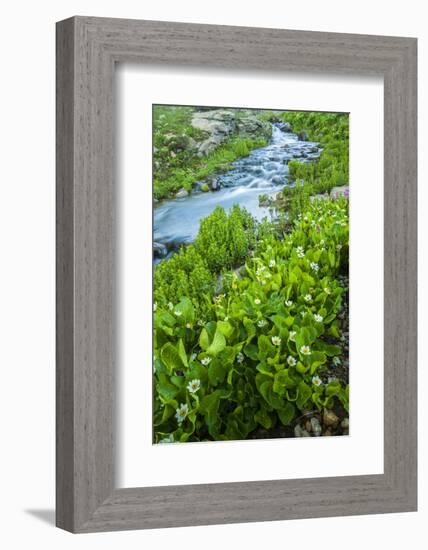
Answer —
316 381
188 325
292 335
206 361
181 413
272 263
318 318
307 298
257 301
288 303
178 313
314 266
300 252
327 290
276 340
170 305
305 350
155 306
262 323
194 385
193 356
240 357
336 361
291 361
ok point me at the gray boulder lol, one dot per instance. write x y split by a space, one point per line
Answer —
159 250
181 194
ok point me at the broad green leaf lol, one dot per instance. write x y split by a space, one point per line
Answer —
204 340
171 358
216 373
182 352
218 344
225 328
304 394
250 328
286 413
263 417
265 346
185 307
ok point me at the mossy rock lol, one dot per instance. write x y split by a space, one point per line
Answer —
205 187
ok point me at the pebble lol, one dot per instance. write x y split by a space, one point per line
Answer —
316 426
329 418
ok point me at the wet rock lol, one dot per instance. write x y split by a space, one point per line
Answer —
219 124
181 194
300 432
214 184
342 191
284 126
345 423
308 426
277 179
159 250
205 187
303 136
316 426
329 418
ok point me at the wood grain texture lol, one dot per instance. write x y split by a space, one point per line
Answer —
87 50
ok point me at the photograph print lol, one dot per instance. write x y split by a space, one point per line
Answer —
250 274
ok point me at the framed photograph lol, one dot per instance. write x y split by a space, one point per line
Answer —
236 274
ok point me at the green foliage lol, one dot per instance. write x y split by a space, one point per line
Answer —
224 240
256 355
185 274
331 130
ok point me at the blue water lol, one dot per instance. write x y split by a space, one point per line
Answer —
264 171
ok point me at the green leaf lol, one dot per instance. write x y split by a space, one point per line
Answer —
216 373
225 328
265 369
187 310
265 347
271 398
171 358
304 395
167 390
204 340
287 413
281 324
250 328
182 352
218 344
263 417
328 349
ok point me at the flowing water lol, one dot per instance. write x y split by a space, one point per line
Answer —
263 171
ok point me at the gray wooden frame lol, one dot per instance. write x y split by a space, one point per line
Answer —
87 50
